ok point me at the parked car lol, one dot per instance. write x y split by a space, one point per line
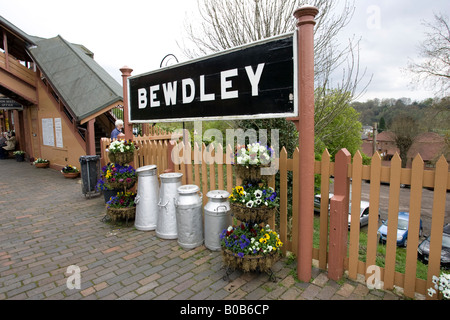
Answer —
317 199
363 214
424 248
402 229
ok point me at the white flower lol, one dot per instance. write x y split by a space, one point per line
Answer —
250 204
230 228
258 202
270 248
431 292
435 280
258 194
266 203
252 240
446 293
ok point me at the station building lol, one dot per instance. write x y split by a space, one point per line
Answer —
56 98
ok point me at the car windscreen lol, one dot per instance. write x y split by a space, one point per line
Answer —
446 241
402 224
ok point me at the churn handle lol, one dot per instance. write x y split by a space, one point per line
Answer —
160 205
224 206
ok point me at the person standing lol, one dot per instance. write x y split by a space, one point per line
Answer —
10 145
117 130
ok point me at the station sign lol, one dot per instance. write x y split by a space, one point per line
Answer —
252 81
9 104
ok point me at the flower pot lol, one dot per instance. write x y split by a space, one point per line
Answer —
20 157
256 215
121 158
107 194
247 263
42 165
71 175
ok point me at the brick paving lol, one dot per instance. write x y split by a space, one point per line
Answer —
47 225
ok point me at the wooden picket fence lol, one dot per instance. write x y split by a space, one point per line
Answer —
211 168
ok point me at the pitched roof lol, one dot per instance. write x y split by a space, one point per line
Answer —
17 39
83 85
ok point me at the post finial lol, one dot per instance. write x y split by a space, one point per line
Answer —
306 14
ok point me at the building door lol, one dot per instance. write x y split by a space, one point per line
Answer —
35 141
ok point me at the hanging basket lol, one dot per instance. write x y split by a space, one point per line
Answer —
121 213
121 184
262 263
257 215
121 158
248 172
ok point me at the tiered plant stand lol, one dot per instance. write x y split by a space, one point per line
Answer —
251 216
114 214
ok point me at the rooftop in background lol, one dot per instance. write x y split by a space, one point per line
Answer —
83 85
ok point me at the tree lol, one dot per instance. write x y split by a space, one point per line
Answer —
433 69
229 23
344 131
406 130
382 125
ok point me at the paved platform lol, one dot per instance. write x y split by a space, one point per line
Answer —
47 225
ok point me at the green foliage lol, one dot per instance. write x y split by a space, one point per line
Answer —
344 131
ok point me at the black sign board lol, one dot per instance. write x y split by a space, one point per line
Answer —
252 81
9 104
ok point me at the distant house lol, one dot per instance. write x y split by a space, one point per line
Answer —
429 145
367 130
62 96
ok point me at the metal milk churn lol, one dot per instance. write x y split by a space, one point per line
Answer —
147 198
189 217
217 217
166 226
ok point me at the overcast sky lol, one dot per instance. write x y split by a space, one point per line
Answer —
140 33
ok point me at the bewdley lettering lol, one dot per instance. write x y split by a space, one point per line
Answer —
188 90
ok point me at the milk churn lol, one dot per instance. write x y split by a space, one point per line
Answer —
217 217
147 198
189 217
166 226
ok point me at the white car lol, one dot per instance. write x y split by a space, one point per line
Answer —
363 214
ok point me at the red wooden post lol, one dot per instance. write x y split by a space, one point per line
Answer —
127 127
339 216
305 125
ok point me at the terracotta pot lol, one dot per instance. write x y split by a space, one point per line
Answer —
71 175
42 165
